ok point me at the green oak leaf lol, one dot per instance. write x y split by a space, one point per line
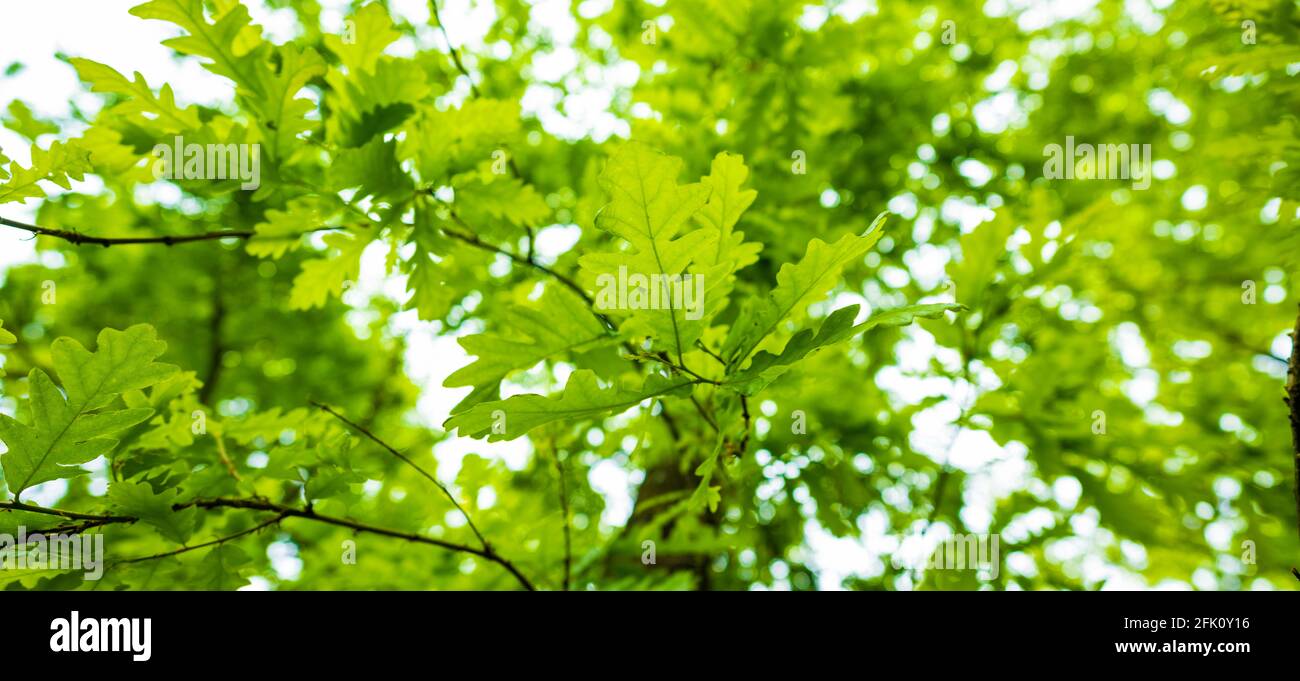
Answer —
140 98
559 324
582 398
727 201
61 163
6 338
838 326
227 44
370 32
73 427
324 277
798 285
138 499
648 209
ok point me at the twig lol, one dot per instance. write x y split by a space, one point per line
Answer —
662 359
225 458
391 450
77 238
283 511
700 344
708 418
744 412
290 512
476 242
455 54
564 508
84 521
195 547
60 513
215 347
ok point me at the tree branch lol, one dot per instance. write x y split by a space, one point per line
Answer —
391 450
290 512
169 240
88 521
195 547
79 239
455 54
473 240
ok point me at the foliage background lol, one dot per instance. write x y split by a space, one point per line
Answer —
1080 296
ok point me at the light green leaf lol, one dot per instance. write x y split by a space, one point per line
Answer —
582 398
324 277
460 139
372 167
648 208
767 367
281 231
66 429
560 324
216 42
371 31
488 202
21 120
798 285
60 164
727 201
141 99
138 499
281 113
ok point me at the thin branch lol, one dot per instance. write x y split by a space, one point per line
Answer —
89 520
60 513
708 418
455 54
225 458
77 238
215 542
564 508
391 450
291 512
744 412
700 344
215 348
473 240
662 359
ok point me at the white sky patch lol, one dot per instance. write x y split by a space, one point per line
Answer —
556 240
837 558
614 483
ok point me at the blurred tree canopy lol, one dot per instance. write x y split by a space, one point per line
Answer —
218 377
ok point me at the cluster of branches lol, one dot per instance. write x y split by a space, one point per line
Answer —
76 523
